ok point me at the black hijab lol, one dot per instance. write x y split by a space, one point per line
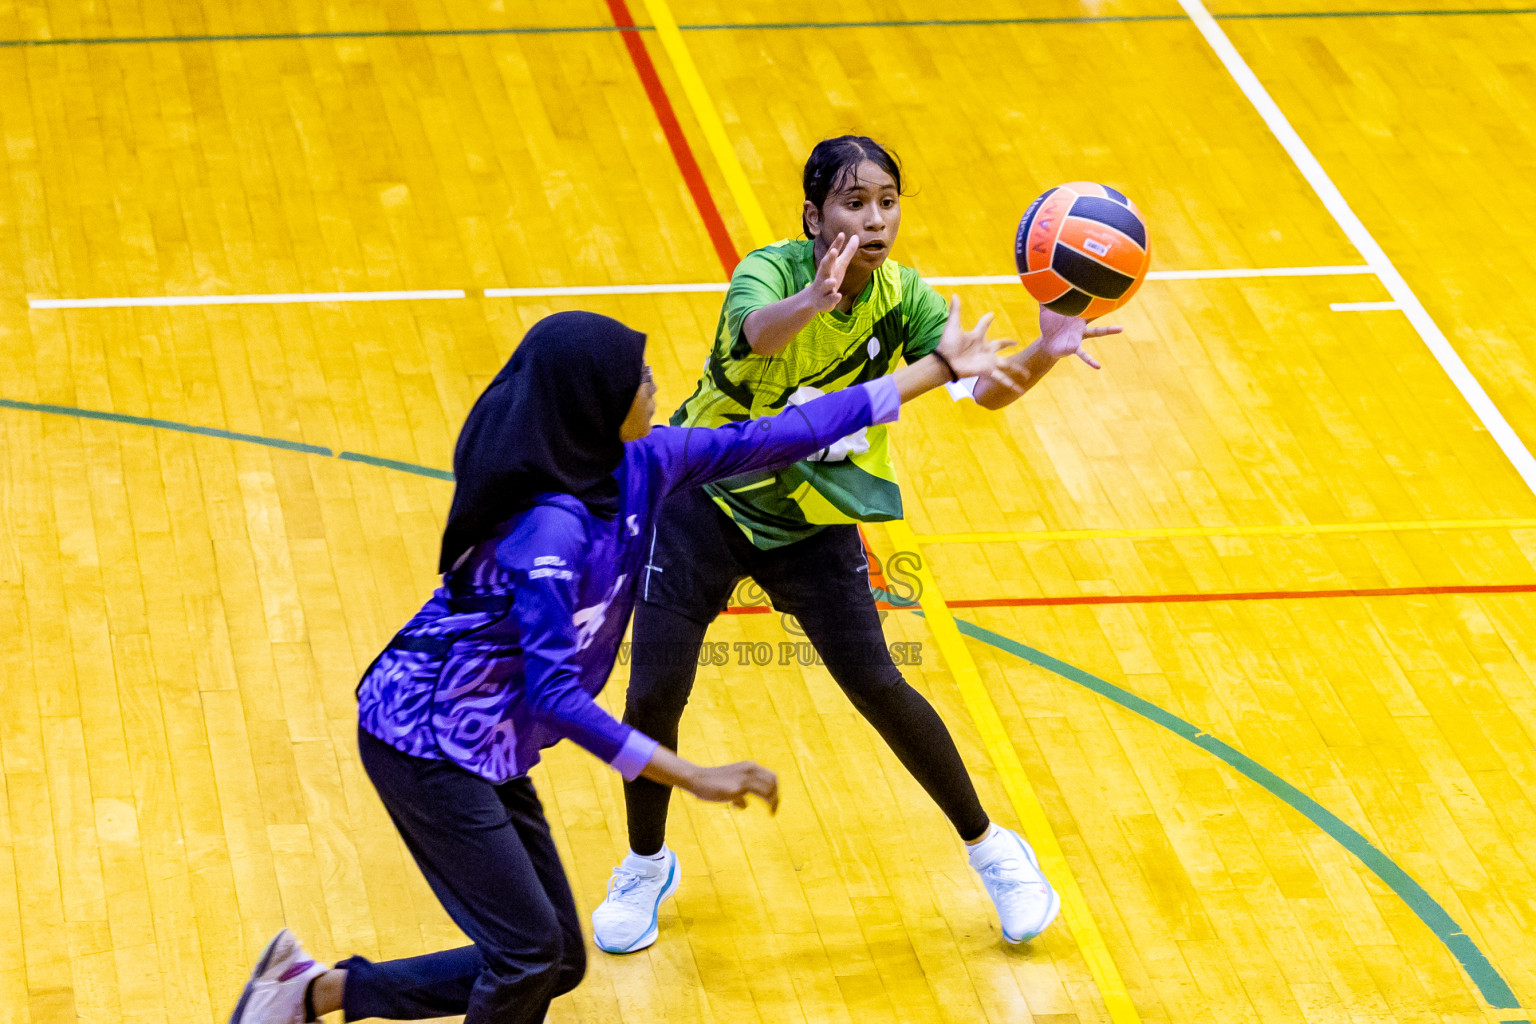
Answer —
548 423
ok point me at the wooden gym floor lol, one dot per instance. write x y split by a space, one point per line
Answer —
1269 719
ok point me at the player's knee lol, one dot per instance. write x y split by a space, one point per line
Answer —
535 967
657 708
573 967
866 669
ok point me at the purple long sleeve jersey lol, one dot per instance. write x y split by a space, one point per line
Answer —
507 656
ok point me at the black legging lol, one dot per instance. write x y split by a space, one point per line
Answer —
841 622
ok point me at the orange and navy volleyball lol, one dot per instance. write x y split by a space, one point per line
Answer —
1082 249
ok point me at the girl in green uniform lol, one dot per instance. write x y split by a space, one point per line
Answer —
801 318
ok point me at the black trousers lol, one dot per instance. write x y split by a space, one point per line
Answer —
697 556
488 856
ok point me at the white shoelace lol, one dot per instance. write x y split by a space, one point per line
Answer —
1009 889
625 885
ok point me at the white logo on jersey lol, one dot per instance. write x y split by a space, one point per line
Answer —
589 620
856 443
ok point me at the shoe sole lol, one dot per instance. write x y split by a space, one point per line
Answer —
256 972
1049 918
673 881
1055 908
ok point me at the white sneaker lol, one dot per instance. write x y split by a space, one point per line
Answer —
625 921
275 993
1025 901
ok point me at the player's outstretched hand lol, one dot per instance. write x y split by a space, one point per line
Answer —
1062 336
728 782
732 782
825 290
969 353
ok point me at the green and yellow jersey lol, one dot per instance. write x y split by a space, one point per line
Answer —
896 316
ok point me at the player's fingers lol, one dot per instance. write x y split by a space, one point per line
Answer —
829 258
982 325
847 254
1101 332
1017 374
1085 357
1006 380
954 312
765 784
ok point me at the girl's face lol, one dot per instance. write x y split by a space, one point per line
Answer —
638 423
865 202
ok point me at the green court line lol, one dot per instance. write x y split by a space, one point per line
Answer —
226 435
266 37
1099 19
1409 13
184 428
538 30
403 467
1495 990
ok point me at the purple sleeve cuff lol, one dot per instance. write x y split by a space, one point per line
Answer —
884 400
634 755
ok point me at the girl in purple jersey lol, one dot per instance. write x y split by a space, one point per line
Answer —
559 477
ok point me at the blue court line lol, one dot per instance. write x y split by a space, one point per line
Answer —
1495 990
558 30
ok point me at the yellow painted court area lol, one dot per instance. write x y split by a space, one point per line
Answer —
1284 809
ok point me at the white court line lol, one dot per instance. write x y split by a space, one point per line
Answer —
605 289
242 300
937 282
555 292
1362 307
1194 275
1503 434
1174 275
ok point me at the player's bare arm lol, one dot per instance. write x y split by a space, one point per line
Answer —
769 329
1060 337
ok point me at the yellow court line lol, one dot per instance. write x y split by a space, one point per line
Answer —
974 692
709 122
1026 803
1152 533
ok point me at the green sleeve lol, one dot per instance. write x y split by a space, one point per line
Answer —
924 314
762 278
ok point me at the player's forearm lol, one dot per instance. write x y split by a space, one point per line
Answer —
920 377
668 769
1027 366
769 329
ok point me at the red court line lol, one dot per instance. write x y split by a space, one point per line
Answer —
692 176
1241 595
697 186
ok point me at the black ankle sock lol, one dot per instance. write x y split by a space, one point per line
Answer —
309 999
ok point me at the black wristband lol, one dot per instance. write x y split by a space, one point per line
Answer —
953 376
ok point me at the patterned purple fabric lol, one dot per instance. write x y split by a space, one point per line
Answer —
506 657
